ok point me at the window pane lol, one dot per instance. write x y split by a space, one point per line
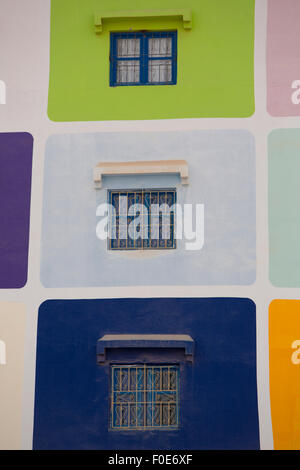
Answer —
128 47
128 71
160 47
160 71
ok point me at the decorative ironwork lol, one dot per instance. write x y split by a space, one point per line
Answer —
144 397
156 226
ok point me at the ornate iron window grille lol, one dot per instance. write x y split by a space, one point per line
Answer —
157 232
144 397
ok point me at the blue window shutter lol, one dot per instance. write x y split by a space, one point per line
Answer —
143 58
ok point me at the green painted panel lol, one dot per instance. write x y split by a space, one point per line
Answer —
215 62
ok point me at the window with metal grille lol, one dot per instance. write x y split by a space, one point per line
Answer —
142 219
143 58
144 397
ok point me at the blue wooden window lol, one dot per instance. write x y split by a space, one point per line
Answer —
144 397
143 58
154 224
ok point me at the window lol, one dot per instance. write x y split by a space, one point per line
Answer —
145 387
144 397
143 58
142 219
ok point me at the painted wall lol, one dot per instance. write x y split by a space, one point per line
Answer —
215 62
12 339
24 60
284 199
218 400
283 61
15 192
222 177
284 338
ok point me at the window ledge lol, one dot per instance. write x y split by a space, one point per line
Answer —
145 168
145 341
184 13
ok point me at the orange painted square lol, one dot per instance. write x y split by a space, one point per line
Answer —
284 330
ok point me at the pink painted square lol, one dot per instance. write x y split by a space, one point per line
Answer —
283 58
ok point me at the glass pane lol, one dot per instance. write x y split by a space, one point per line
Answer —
128 47
160 71
128 71
160 47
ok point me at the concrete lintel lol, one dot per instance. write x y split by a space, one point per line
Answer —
185 342
140 168
183 13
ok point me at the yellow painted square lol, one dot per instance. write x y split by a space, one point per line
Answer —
284 343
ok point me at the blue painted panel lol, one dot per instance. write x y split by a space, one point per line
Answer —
218 392
222 177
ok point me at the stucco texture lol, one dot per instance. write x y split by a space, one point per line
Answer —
222 177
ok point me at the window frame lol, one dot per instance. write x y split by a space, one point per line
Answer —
149 404
143 246
144 58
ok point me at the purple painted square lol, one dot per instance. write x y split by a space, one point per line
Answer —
15 190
